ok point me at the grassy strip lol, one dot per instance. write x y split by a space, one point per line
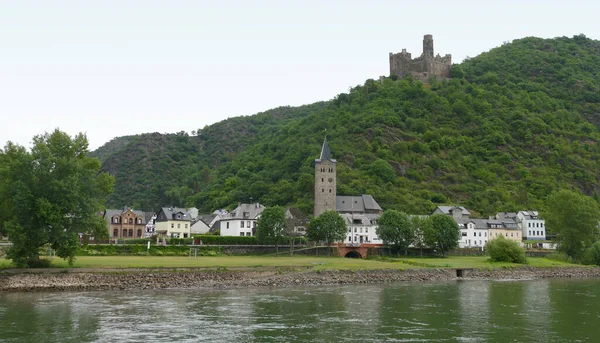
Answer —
316 262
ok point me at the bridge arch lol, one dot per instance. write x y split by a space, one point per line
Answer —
353 254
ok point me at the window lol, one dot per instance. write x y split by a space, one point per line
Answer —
474 234
366 230
480 234
322 180
185 235
186 226
124 233
242 223
354 230
248 224
228 225
130 232
116 233
485 234
349 229
139 232
242 234
172 226
322 190
329 190
464 234
178 226
350 238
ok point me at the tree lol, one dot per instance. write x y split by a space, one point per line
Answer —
396 228
504 250
328 227
441 233
418 224
573 217
271 225
50 195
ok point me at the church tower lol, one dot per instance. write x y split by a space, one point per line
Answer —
325 181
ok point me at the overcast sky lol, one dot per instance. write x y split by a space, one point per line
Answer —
113 68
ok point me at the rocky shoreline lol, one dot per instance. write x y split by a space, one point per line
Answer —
123 279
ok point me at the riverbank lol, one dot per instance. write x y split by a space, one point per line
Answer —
126 279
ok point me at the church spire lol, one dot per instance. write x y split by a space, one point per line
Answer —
325 153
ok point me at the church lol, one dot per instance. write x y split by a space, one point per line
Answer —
360 212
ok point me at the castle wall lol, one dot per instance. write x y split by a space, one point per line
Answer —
422 67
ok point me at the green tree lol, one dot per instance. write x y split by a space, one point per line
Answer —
418 224
573 218
329 227
50 195
505 250
395 228
271 225
441 233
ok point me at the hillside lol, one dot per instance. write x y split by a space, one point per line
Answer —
510 127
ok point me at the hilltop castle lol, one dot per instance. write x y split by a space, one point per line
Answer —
422 67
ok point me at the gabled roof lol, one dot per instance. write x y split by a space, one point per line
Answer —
170 211
363 203
352 218
506 215
446 209
245 211
530 214
109 213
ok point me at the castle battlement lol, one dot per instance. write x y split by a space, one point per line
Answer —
422 67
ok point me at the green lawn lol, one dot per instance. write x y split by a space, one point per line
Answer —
316 262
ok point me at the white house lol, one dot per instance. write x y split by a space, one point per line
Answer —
532 226
473 233
241 221
362 228
173 222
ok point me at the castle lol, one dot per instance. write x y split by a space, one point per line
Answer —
422 67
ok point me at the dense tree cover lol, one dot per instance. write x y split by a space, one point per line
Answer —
573 218
514 125
441 233
329 227
49 195
272 225
395 228
505 250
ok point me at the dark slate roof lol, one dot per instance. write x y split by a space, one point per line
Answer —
446 209
506 215
252 211
325 152
109 213
206 218
530 214
361 203
169 211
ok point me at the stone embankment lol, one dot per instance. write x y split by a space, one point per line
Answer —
223 279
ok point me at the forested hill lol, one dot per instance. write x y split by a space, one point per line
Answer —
511 126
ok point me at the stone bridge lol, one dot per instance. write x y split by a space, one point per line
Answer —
355 250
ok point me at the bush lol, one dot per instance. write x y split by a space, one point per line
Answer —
503 250
244 240
142 250
592 254
560 256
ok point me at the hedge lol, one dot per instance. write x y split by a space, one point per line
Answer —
244 240
142 250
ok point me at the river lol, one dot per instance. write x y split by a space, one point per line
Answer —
549 310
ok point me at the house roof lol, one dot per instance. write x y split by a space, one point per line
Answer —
506 215
530 214
245 211
170 211
363 203
446 209
351 218
109 213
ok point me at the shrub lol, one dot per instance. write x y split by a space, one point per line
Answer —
592 254
503 250
560 256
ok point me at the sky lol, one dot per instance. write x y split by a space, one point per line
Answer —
113 68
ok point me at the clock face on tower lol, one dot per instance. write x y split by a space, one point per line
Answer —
330 180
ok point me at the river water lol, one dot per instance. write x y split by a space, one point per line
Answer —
557 310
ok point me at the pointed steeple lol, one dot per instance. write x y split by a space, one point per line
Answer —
325 153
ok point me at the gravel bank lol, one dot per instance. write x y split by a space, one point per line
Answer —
202 278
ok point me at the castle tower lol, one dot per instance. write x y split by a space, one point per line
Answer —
325 181
428 45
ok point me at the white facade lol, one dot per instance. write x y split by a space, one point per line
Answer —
532 226
360 229
241 221
237 227
472 235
